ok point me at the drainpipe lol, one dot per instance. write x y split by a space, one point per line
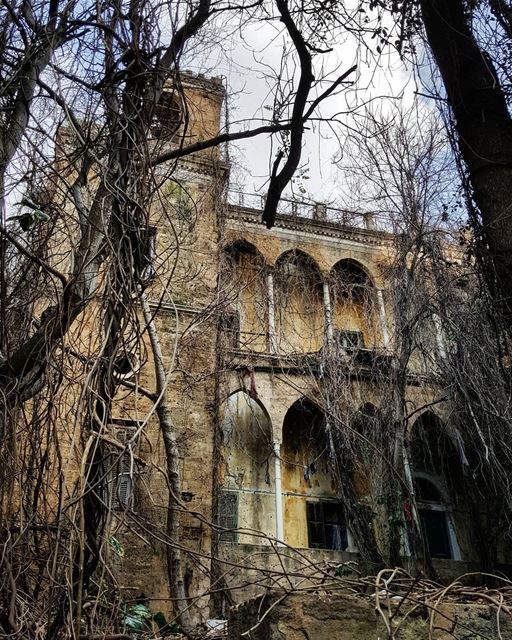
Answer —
271 313
382 316
279 494
327 312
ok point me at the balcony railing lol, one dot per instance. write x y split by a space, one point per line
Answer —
313 211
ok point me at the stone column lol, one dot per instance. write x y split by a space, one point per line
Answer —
383 320
272 340
278 494
327 312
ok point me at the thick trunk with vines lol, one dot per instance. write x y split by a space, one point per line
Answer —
483 126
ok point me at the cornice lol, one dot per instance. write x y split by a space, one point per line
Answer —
315 227
214 86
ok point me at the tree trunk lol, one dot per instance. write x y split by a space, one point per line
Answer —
174 555
483 126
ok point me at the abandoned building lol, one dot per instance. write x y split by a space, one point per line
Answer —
273 339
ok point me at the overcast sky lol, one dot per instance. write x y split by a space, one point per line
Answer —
246 66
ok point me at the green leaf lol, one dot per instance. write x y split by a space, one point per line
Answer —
117 546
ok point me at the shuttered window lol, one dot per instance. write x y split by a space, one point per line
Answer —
122 469
228 516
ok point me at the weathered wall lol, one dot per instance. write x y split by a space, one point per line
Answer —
325 617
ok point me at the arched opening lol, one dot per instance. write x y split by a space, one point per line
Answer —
432 450
354 318
436 475
245 319
247 498
313 514
298 303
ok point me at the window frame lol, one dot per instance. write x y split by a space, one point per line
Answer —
443 505
340 337
319 508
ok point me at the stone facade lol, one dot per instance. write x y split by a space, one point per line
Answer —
245 314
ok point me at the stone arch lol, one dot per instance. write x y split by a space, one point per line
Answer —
295 256
298 295
247 471
358 266
314 516
355 318
433 450
246 312
246 433
437 480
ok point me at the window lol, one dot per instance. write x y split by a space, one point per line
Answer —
327 528
349 339
433 517
122 468
435 530
167 116
228 516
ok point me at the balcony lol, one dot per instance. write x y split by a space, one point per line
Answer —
316 212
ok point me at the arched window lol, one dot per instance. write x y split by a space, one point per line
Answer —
247 470
353 306
314 516
245 319
436 471
298 303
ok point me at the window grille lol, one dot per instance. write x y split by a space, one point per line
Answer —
228 516
122 470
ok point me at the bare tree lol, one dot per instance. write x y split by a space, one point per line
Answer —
469 42
94 120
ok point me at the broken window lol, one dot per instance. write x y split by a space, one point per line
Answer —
167 116
433 516
228 516
327 528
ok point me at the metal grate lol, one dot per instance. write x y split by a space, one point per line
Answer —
123 474
228 516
